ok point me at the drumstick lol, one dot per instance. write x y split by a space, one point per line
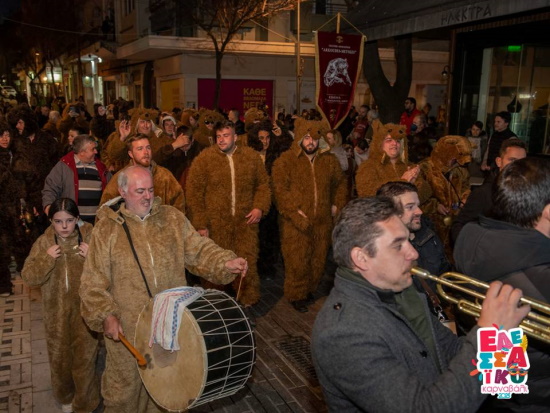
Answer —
140 359
240 284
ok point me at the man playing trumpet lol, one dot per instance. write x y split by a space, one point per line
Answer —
376 346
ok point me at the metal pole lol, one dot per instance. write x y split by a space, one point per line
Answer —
298 58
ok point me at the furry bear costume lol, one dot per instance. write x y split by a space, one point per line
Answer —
221 191
448 176
166 187
166 243
72 347
115 154
378 169
203 135
312 187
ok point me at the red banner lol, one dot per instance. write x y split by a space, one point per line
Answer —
338 65
238 94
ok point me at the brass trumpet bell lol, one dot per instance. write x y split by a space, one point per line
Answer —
536 324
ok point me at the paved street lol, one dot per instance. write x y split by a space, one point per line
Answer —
283 379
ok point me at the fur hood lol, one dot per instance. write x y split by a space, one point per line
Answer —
389 130
449 149
316 128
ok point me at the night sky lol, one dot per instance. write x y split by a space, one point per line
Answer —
8 6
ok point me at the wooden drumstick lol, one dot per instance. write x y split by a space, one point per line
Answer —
240 284
140 359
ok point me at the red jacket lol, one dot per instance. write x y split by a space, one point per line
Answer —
101 170
407 119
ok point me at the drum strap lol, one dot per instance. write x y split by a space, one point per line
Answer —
125 226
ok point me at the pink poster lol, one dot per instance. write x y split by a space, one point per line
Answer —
235 93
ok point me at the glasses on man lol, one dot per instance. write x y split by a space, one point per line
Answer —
208 122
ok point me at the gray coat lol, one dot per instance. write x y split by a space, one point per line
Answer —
368 357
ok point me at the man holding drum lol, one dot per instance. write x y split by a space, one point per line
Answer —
135 253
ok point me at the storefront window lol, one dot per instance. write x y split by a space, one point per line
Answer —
513 78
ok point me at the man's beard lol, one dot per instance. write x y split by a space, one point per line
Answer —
144 162
309 151
414 226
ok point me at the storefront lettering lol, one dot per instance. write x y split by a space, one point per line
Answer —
465 14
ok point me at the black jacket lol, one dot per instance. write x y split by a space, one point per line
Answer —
479 203
495 142
431 251
491 250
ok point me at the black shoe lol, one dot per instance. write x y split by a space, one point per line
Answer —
250 315
300 306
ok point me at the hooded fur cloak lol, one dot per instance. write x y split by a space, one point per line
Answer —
219 204
311 187
378 169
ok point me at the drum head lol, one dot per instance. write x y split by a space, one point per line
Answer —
173 381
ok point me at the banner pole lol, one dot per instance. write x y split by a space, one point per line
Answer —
338 22
298 58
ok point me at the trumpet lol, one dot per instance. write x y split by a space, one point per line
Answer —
535 324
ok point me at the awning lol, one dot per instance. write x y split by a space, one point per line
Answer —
381 19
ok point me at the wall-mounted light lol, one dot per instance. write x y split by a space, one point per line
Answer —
446 72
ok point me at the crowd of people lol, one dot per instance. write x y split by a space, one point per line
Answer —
90 200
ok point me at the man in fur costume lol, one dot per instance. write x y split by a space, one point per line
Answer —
166 186
449 180
205 134
115 153
388 162
309 189
112 292
228 193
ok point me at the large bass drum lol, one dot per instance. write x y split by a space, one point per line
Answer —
216 356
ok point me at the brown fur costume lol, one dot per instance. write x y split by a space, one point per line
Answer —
166 187
72 347
449 180
166 243
115 154
311 187
209 194
251 117
378 169
207 137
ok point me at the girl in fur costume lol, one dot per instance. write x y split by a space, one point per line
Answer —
55 263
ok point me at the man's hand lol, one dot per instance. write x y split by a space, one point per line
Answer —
333 210
237 266
203 232
484 167
46 209
500 307
124 130
112 327
302 213
54 251
411 174
442 209
180 141
254 216
83 249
